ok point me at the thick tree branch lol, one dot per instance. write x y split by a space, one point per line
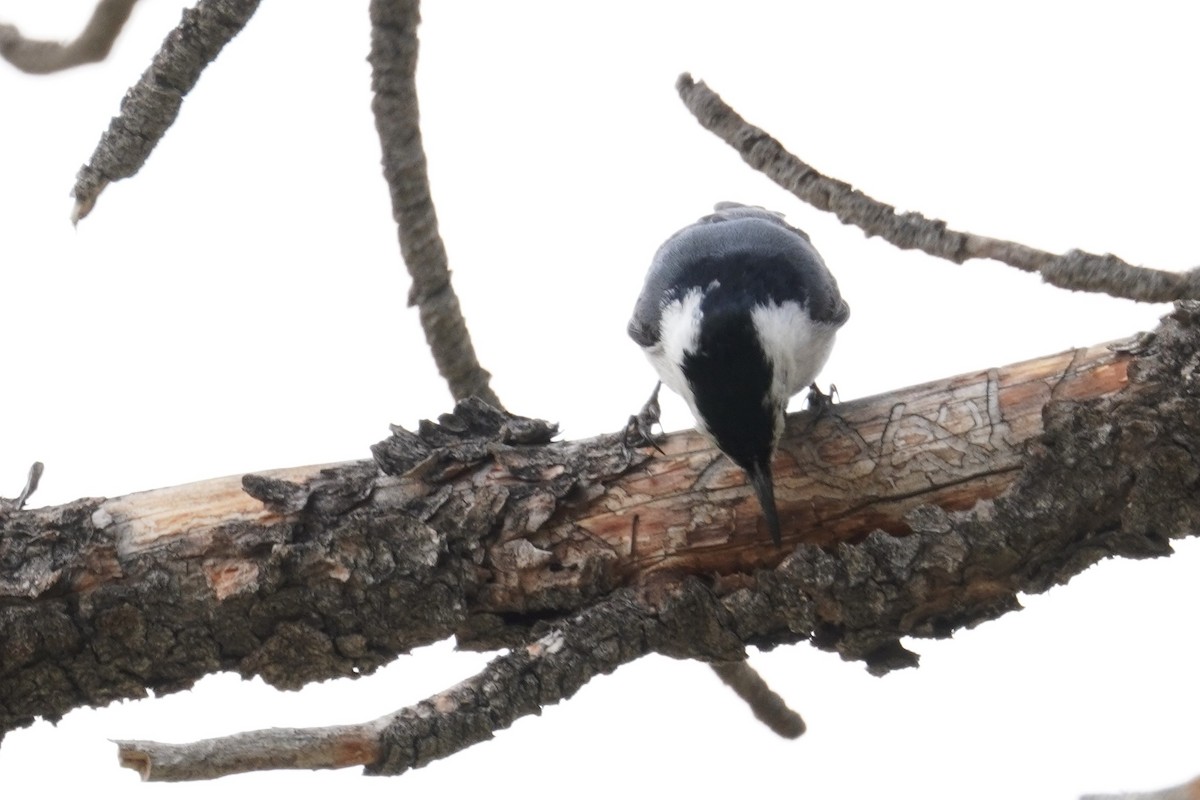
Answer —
151 105
93 44
1075 270
910 514
393 60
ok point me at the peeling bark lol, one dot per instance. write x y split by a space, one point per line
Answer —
908 514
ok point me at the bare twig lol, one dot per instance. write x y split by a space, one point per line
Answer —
768 707
31 484
93 44
1075 270
393 58
1188 791
276 748
514 685
151 105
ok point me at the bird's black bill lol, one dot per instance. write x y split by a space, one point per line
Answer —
764 487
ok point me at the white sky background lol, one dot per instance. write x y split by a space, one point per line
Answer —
240 305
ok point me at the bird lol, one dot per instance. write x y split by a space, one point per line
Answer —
738 314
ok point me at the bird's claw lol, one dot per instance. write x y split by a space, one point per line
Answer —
820 403
642 424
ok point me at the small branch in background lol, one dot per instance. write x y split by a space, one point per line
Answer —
511 686
31 484
151 105
92 45
393 58
768 707
1188 791
1075 270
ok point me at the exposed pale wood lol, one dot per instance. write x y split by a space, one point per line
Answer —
911 514
948 443
334 747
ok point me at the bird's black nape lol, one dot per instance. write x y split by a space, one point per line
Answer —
764 487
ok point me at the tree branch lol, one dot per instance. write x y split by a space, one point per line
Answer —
910 514
614 631
151 105
1075 270
393 58
1187 791
31 484
332 747
768 707
92 44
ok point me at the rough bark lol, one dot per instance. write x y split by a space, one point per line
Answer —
909 514
151 105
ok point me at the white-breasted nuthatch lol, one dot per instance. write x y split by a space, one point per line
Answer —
738 314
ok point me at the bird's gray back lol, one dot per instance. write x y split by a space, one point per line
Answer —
736 234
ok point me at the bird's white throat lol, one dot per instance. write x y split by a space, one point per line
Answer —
795 346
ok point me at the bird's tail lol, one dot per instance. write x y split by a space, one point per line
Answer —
764 487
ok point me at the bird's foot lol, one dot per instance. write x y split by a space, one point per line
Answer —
639 430
820 403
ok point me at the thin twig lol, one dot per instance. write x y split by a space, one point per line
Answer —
1187 791
276 748
93 44
151 105
1075 270
516 684
393 59
31 484
768 707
